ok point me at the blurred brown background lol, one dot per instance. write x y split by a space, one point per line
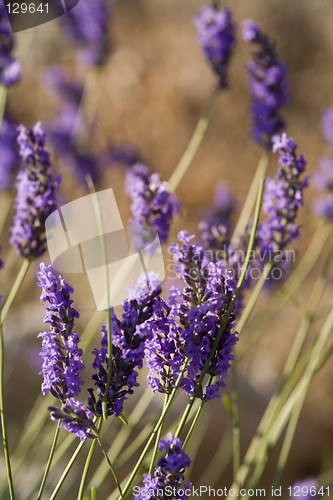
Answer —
156 84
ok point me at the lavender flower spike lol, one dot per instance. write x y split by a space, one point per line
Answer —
283 198
10 69
61 355
128 338
36 194
216 35
169 473
152 205
268 85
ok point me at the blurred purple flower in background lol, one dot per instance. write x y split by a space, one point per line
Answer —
87 26
152 204
9 155
168 473
10 68
216 35
268 85
35 194
61 355
306 489
323 177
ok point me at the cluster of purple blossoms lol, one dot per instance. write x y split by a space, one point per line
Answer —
61 355
87 25
128 338
9 156
36 194
190 323
10 68
216 35
268 86
283 198
152 204
323 178
169 474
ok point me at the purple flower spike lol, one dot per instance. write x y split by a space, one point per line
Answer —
327 125
61 355
128 339
10 69
283 198
35 199
87 25
169 473
190 322
152 205
268 85
216 35
9 156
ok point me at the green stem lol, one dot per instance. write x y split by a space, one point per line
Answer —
153 434
66 471
158 437
88 463
194 423
228 312
194 143
12 294
100 225
49 462
3 418
111 467
251 197
235 418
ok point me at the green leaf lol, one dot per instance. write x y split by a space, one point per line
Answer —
93 493
123 419
227 404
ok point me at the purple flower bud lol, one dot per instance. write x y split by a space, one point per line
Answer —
35 194
268 85
306 489
9 157
75 418
10 69
216 35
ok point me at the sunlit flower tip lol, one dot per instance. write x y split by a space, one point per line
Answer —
216 35
268 85
75 418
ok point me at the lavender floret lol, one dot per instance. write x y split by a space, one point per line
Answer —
216 35
36 198
9 156
308 489
268 86
10 68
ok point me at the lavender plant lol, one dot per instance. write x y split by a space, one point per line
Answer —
189 336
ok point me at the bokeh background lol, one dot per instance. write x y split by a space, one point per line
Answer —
154 87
